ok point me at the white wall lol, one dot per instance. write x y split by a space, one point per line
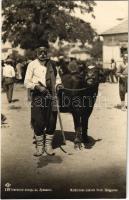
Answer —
82 56
110 52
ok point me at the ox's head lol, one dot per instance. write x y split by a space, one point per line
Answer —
95 75
72 75
91 75
80 76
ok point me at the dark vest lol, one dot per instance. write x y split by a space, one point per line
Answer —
51 75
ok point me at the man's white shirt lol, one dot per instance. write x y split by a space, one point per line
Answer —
8 71
36 72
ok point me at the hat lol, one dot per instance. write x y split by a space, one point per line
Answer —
40 49
8 60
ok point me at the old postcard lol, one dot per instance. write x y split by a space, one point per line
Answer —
64 77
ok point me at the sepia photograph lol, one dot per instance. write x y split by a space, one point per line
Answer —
64 84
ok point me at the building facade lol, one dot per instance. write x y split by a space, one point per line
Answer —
115 43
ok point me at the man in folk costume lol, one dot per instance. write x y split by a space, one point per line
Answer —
122 73
40 79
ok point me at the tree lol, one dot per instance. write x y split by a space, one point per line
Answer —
32 23
30 54
16 57
96 51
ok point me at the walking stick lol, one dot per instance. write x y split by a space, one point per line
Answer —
56 103
60 120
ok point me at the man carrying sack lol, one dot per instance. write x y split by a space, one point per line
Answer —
43 110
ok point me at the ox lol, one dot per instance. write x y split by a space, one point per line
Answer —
77 95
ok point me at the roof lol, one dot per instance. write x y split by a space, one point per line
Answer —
120 28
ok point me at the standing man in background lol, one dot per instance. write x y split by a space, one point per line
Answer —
19 67
2 79
43 114
122 73
8 79
113 71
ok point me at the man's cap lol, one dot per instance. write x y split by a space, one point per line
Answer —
40 49
8 60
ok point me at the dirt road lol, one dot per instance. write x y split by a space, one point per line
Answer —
96 172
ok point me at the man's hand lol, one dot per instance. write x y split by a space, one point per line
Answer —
122 76
59 87
41 89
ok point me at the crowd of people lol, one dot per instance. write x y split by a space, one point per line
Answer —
39 78
12 71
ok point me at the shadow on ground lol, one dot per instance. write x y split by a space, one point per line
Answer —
70 136
118 106
91 142
13 107
45 160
